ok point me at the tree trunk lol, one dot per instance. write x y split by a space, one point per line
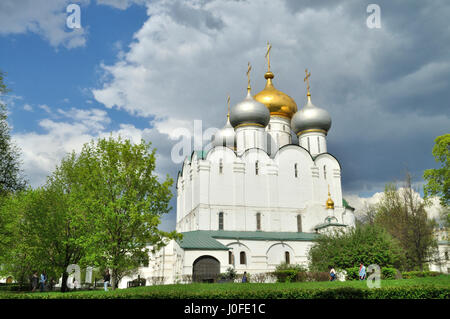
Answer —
64 281
114 279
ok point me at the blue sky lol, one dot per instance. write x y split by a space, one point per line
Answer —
44 75
144 69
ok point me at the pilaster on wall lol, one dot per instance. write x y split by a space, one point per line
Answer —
315 183
279 129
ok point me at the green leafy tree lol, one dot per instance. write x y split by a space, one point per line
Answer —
46 228
124 201
403 214
438 179
346 249
15 258
60 221
10 174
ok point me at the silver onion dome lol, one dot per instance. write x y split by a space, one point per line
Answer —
310 117
225 136
249 112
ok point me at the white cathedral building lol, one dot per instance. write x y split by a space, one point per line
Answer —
255 199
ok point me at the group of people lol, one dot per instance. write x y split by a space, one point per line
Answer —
362 272
41 281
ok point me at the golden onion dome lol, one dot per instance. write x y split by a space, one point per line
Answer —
329 203
278 103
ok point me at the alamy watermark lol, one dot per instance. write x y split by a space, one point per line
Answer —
374 19
73 20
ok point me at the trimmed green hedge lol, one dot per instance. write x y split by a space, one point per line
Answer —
12 287
414 292
291 275
417 274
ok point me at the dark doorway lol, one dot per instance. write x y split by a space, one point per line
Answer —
206 269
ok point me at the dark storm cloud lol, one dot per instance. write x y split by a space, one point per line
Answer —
386 89
387 114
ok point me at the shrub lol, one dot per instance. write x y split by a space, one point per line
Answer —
239 277
229 275
187 279
290 273
352 273
390 273
260 278
370 244
284 266
157 280
286 275
318 276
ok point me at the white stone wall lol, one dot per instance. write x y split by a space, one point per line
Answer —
279 131
288 184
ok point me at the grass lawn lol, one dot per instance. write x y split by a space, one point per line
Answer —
428 287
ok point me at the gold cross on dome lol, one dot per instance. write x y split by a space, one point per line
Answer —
306 79
269 46
228 102
248 75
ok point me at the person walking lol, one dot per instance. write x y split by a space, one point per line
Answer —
34 281
244 277
362 272
332 274
42 281
106 279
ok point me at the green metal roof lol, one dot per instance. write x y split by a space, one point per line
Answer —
346 205
200 240
206 240
443 242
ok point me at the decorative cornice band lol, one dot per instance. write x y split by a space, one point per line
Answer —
283 115
312 130
249 124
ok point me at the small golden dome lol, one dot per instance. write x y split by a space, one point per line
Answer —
330 203
278 103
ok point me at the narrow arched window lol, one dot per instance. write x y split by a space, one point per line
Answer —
287 258
242 257
284 127
256 167
230 258
295 170
299 223
318 143
308 144
325 171
221 221
258 221
220 166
